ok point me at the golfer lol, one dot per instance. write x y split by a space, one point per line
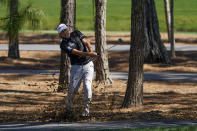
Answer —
80 52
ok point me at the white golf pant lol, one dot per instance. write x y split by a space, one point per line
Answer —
79 73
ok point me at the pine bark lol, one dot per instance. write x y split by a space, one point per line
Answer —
172 41
102 66
134 92
13 51
155 50
68 17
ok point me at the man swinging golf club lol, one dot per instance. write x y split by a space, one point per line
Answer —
80 52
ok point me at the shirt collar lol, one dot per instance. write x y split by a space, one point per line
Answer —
66 39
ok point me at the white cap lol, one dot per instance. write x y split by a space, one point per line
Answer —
61 27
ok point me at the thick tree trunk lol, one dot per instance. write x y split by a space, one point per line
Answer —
155 50
134 92
168 17
102 67
172 41
68 17
13 51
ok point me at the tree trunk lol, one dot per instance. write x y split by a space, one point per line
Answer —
155 50
102 67
134 92
172 41
13 51
68 17
168 16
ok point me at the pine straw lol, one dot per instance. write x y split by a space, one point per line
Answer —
118 61
162 101
26 98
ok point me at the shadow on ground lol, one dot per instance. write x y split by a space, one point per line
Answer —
168 105
45 106
40 61
118 61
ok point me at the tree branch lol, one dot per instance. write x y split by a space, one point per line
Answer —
8 17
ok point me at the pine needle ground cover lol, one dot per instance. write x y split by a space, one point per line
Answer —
33 98
118 61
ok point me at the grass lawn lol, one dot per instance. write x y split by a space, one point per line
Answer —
118 14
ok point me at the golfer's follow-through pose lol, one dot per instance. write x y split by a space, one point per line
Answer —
80 52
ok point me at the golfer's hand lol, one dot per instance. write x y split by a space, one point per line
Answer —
93 54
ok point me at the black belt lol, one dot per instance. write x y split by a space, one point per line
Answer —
84 63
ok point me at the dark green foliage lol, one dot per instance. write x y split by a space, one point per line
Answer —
26 16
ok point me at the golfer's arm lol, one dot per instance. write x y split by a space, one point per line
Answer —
80 53
87 43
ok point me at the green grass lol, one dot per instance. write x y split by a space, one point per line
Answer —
118 14
183 128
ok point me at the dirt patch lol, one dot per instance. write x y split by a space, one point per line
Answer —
118 61
33 98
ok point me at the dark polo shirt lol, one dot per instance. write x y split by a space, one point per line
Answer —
75 42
